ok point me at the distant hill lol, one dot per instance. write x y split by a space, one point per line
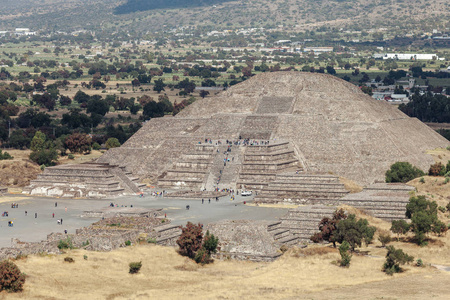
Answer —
143 5
146 16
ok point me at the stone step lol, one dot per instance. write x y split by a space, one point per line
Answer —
161 241
273 226
279 233
289 240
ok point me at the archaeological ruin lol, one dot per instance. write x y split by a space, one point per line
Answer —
290 137
277 124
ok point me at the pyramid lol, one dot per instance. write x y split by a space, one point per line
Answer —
293 122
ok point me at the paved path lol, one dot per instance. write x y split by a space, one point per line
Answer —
31 229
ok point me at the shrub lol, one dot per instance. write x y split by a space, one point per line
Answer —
70 156
442 209
11 279
437 169
384 238
422 180
190 240
85 257
448 206
210 243
65 244
128 243
399 227
202 256
69 259
402 172
345 255
112 143
135 267
395 258
96 146
151 241
419 263
5 155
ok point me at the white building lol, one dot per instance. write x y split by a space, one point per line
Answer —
406 56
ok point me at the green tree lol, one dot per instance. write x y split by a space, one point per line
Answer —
400 227
210 243
38 141
345 255
424 219
97 106
402 172
81 97
112 143
159 85
354 231
395 258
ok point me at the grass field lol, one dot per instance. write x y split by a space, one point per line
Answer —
299 274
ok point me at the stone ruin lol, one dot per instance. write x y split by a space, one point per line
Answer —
105 235
294 121
289 136
87 180
3 190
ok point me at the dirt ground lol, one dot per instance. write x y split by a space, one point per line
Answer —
310 273
298 274
19 171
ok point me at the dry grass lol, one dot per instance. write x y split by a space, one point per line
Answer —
434 188
350 185
300 273
19 171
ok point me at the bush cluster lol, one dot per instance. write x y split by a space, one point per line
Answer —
403 172
135 267
194 245
11 279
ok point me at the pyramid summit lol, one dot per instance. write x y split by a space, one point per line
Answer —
276 123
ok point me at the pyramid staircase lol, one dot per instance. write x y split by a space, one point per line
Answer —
262 163
191 171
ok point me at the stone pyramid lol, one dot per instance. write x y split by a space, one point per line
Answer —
312 123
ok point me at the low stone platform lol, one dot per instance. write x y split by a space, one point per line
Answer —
87 180
386 201
302 222
114 212
105 235
244 240
195 194
302 188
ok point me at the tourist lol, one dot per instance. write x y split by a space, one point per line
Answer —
35 215
61 221
26 213
56 204
65 231
209 200
53 215
202 200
